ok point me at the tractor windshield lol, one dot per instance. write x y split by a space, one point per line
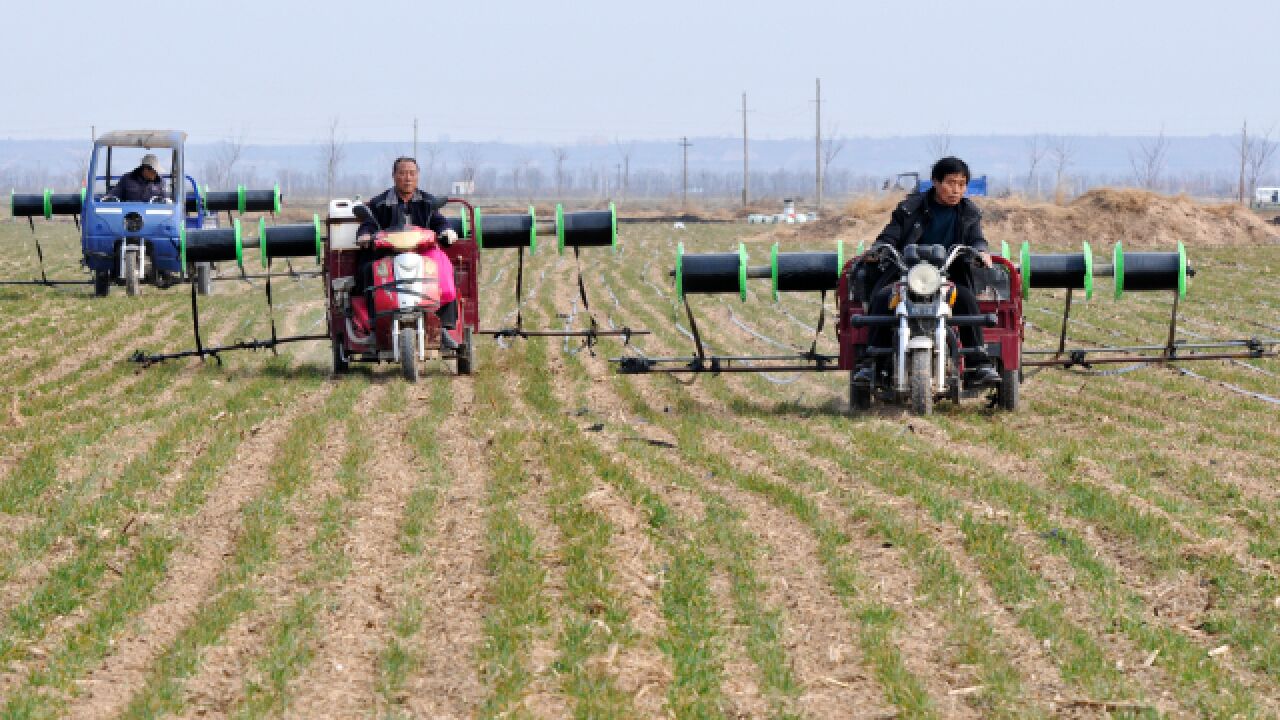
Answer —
112 163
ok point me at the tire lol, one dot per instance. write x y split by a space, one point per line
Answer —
1010 380
341 366
859 394
204 278
132 283
101 283
922 381
466 354
408 354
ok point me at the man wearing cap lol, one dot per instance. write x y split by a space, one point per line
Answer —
142 184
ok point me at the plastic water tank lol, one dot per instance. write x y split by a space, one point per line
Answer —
343 224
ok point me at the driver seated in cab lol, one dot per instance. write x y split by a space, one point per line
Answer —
141 184
940 216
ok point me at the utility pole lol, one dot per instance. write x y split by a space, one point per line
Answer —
745 176
817 146
684 177
415 139
1244 154
93 133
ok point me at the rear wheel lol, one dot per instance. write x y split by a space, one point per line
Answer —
409 354
1009 382
101 283
132 282
466 353
204 278
922 381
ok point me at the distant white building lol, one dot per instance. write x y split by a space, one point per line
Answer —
1267 195
463 187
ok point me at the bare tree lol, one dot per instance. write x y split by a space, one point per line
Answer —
1037 148
560 154
1148 163
469 158
939 144
430 154
332 153
831 148
225 156
1259 150
1061 152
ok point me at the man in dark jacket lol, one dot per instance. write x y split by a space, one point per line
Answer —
941 216
142 184
401 205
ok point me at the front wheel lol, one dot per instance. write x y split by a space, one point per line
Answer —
922 381
409 354
1009 382
132 283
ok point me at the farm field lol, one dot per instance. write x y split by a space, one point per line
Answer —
549 539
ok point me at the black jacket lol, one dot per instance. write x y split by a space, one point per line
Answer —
912 216
133 187
422 210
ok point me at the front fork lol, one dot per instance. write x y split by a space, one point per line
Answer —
141 248
395 339
940 355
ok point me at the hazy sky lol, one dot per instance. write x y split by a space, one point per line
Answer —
282 71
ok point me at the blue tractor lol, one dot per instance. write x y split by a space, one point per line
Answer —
137 243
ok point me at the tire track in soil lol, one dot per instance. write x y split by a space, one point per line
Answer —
455 589
639 669
817 632
229 667
341 681
739 681
192 572
543 697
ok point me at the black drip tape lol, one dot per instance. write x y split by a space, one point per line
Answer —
1058 271
710 273
1150 271
591 228
288 240
808 272
506 231
212 245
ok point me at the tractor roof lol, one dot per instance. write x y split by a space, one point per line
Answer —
142 138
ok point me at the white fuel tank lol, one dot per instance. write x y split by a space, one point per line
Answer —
343 224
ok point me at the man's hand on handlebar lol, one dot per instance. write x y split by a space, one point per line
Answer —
985 257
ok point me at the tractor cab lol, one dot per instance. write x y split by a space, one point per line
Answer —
127 241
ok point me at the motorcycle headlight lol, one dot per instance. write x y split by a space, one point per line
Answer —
924 279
